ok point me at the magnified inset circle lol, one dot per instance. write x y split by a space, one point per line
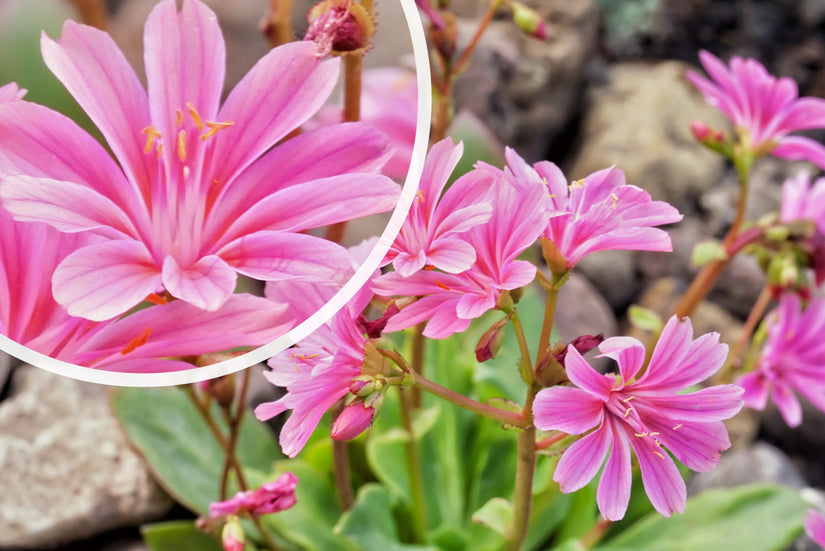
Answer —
123 264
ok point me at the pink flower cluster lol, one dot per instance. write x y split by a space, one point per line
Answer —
272 497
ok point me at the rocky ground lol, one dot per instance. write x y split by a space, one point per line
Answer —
607 87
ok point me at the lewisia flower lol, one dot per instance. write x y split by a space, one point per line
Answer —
802 200
600 212
815 526
763 109
451 301
142 342
272 497
641 412
430 235
196 193
793 359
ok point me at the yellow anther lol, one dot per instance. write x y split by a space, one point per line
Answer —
214 127
151 133
420 195
655 433
441 285
195 116
178 117
659 454
627 411
640 435
615 199
680 425
576 185
628 399
182 145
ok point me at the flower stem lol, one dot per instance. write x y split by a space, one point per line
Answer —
462 62
234 424
277 27
549 313
353 67
419 513
525 471
419 348
341 470
596 533
500 415
525 364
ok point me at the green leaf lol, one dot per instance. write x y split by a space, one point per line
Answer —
183 454
709 251
178 536
644 318
746 518
370 522
496 514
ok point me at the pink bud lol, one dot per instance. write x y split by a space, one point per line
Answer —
490 342
529 21
352 421
701 131
340 26
232 536
272 497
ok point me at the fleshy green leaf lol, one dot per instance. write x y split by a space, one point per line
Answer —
183 454
496 514
644 318
371 525
709 251
746 518
178 536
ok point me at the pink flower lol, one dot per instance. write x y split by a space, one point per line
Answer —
793 359
196 193
803 201
141 342
431 234
451 301
389 102
600 212
641 414
272 497
815 526
763 109
352 421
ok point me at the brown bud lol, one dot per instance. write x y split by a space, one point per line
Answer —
490 342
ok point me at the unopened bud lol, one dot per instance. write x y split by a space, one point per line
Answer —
222 389
552 255
549 372
505 302
783 271
701 131
490 342
529 21
232 536
352 421
364 385
340 26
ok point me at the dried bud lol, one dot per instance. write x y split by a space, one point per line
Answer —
529 21
340 26
445 38
373 328
232 536
549 372
352 421
222 389
490 342
582 344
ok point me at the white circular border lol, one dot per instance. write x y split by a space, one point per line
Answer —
422 131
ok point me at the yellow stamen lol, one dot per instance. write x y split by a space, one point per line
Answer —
178 117
441 285
151 133
678 426
615 199
420 195
214 127
195 116
659 454
182 145
627 412
628 399
137 342
655 433
642 435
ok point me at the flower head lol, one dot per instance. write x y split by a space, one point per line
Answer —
792 360
600 212
815 526
272 497
763 109
196 192
645 413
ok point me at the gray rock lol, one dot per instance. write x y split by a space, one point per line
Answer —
614 274
581 310
812 12
524 89
758 463
66 469
640 121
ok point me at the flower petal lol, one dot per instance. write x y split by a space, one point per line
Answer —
101 281
583 459
628 352
569 410
613 494
205 284
800 148
662 481
585 377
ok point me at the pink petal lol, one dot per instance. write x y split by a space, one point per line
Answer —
697 445
585 377
516 274
815 526
788 405
662 481
473 305
185 60
91 66
264 105
272 255
102 281
438 166
709 404
569 410
628 352
65 206
799 148
406 264
449 254
444 322
757 390
205 284
613 494
583 459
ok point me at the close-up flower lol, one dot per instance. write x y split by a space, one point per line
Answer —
792 360
196 193
643 410
272 497
764 110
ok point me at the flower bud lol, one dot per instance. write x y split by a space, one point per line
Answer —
222 389
783 271
232 536
555 260
340 26
364 385
529 21
701 131
490 342
352 421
